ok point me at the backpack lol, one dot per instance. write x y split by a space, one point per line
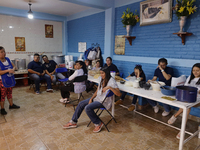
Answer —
87 52
92 54
98 53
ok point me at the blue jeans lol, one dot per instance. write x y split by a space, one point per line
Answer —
37 79
154 103
89 109
134 97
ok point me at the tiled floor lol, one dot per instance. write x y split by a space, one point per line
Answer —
37 125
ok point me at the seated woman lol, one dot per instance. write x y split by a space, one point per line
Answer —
76 86
194 81
106 82
139 73
98 66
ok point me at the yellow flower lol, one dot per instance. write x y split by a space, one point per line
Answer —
123 16
188 3
138 19
127 15
181 9
190 10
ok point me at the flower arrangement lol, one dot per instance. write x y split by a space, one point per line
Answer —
184 8
128 18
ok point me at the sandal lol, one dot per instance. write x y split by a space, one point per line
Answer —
178 135
172 120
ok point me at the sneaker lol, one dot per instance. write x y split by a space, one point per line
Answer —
69 125
37 92
156 109
98 128
178 135
172 120
165 113
14 107
3 112
131 108
49 90
119 102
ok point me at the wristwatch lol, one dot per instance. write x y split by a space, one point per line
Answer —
162 70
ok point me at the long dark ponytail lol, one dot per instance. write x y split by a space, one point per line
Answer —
83 66
192 75
107 76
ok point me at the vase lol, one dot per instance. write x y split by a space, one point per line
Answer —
182 22
128 28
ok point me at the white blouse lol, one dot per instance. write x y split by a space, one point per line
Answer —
101 95
78 72
192 83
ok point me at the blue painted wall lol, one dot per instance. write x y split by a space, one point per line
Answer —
159 41
90 29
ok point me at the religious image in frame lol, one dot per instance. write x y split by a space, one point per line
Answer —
20 44
119 45
155 12
48 31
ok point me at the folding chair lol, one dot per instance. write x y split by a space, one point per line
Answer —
109 94
78 79
61 70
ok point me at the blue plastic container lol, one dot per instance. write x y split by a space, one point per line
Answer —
186 94
168 90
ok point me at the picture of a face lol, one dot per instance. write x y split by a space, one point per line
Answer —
20 43
48 31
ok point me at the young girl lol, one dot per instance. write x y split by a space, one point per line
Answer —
139 74
106 82
192 80
6 71
75 87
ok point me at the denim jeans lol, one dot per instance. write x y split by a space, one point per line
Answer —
154 103
89 109
37 79
57 75
134 97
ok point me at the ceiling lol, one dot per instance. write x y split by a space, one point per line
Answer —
55 7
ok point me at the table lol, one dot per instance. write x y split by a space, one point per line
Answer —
156 96
22 74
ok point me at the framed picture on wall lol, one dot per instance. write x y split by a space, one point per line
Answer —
48 31
20 44
119 45
155 12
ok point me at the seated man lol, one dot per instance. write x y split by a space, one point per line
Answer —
36 72
111 66
164 74
50 69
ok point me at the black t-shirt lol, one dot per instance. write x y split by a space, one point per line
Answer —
50 67
112 67
36 66
142 75
160 76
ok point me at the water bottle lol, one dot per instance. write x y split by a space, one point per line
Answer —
10 74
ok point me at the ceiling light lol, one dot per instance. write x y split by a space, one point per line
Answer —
10 27
30 13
